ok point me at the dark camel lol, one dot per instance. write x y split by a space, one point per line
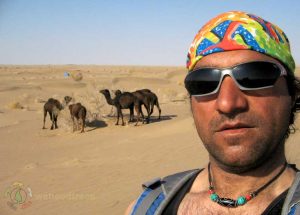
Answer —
121 101
78 111
148 99
53 107
153 100
139 100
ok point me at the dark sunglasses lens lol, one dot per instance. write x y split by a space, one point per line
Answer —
256 74
202 81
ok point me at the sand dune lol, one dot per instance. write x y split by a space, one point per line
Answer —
99 171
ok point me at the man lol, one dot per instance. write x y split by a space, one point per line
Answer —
243 99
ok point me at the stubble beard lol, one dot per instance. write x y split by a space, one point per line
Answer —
264 146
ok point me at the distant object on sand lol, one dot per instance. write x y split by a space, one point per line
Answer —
76 76
66 74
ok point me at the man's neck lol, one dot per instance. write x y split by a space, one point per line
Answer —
233 185
236 181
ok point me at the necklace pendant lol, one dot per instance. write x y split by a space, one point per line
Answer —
227 202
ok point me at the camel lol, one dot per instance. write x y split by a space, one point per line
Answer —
139 100
78 111
147 98
122 101
53 107
153 100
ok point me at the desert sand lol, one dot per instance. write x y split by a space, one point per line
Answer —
99 171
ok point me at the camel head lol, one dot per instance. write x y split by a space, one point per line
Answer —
67 99
107 96
105 92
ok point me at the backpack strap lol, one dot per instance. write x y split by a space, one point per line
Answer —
173 184
291 204
158 193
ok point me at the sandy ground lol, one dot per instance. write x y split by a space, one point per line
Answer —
99 171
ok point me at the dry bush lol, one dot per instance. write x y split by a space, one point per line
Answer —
15 105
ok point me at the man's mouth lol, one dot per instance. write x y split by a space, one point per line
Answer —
237 126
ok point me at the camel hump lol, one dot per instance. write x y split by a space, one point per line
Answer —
145 91
53 101
125 95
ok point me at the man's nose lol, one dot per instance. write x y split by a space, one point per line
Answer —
230 99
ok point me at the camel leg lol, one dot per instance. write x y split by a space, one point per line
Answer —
148 112
138 108
73 123
52 120
77 124
56 127
55 121
82 125
82 115
45 115
121 114
159 110
83 120
143 116
118 116
152 107
131 115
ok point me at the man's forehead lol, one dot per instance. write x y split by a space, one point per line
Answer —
231 58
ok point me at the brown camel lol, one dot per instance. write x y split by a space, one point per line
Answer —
121 101
53 106
153 100
78 111
139 100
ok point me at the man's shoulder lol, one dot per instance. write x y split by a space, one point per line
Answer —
159 191
171 182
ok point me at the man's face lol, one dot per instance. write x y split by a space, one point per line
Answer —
241 128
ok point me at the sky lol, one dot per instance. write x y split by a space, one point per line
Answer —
122 32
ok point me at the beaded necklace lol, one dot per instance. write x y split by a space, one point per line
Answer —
241 200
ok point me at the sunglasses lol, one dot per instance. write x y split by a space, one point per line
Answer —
254 75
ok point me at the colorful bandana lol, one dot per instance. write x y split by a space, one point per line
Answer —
237 30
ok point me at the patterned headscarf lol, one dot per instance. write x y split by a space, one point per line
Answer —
237 30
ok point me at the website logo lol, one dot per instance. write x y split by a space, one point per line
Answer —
18 196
